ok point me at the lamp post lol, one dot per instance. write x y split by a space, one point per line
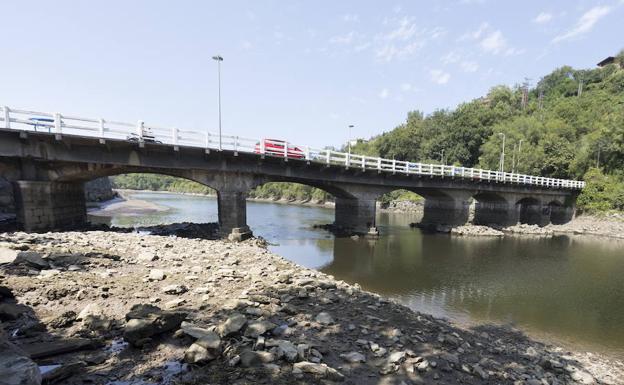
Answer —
518 156
502 157
442 156
219 59
349 139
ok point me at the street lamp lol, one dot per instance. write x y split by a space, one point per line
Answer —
442 156
518 156
219 59
502 156
349 139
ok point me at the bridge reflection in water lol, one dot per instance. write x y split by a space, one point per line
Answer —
568 287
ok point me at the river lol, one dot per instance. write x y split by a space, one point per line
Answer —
565 289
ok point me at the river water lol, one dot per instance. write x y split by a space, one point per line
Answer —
568 289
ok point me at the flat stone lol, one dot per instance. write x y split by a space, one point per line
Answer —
16 368
324 318
7 255
319 370
353 357
157 275
233 324
250 358
396 357
32 259
288 350
257 328
175 289
53 348
195 331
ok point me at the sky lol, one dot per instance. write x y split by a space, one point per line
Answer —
302 71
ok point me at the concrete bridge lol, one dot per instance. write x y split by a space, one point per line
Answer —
49 157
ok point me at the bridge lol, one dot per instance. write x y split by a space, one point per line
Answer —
49 156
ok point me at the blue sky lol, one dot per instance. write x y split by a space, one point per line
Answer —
295 70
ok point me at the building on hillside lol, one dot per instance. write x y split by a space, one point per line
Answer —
606 62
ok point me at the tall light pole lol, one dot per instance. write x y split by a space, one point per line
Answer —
442 156
502 157
349 139
219 59
518 157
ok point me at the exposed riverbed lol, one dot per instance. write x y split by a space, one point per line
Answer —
562 288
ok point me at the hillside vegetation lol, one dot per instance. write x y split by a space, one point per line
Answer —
570 126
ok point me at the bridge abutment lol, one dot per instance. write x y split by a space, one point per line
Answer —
43 206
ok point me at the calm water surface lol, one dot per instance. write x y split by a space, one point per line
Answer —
570 289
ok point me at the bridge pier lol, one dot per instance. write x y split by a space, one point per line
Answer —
533 211
355 215
232 206
43 206
499 213
447 210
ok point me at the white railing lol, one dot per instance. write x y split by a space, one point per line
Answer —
60 124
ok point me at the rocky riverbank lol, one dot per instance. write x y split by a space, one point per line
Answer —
124 308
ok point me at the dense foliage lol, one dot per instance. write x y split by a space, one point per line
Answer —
154 182
572 121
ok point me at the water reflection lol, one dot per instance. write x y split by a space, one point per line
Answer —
567 287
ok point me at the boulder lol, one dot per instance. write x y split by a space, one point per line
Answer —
146 321
157 275
16 368
12 311
32 259
195 331
257 328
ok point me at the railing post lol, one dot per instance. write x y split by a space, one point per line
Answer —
262 147
286 151
328 154
393 165
139 129
347 160
101 129
57 126
7 117
379 164
236 146
307 153
174 137
363 162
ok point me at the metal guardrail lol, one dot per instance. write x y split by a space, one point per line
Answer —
60 124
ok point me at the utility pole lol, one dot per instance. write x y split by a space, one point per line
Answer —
442 156
580 88
219 59
501 165
525 93
518 157
513 159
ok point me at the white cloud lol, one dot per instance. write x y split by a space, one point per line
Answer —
384 93
585 23
494 42
351 18
476 34
439 76
406 87
343 39
405 39
469 66
543 17
451 57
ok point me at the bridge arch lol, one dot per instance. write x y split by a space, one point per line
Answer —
493 209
